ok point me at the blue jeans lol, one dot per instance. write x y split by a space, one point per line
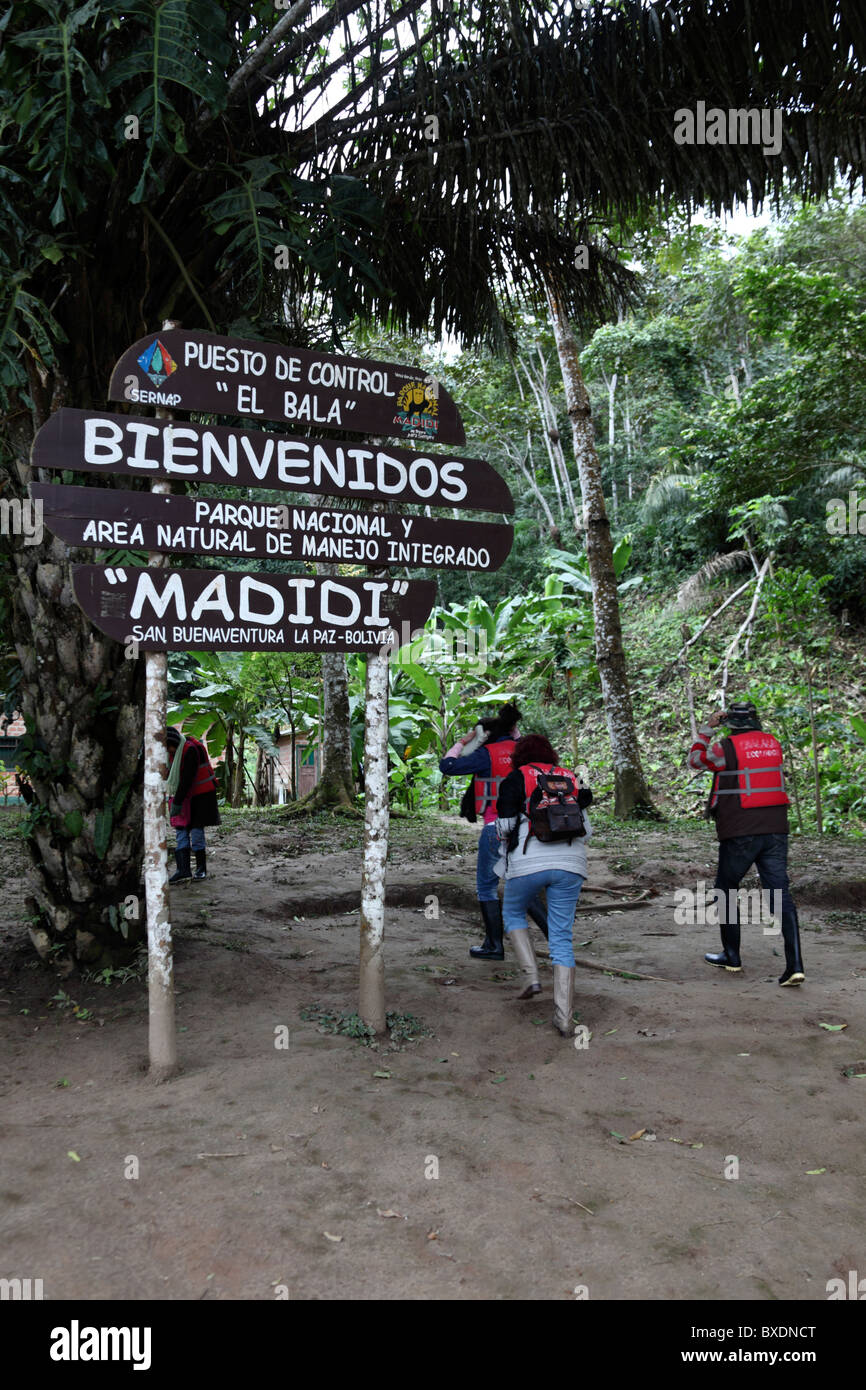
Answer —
486 878
190 837
769 854
563 891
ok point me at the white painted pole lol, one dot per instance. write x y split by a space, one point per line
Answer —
162 1036
371 982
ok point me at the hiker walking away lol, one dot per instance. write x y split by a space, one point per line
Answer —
542 833
485 755
192 791
749 804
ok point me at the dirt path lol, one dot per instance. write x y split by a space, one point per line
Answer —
307 1171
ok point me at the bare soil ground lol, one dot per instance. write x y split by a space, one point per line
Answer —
307 1171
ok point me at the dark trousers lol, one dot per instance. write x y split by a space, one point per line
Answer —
769 854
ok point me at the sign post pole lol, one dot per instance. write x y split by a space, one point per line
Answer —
371 1003
162 1037
377 817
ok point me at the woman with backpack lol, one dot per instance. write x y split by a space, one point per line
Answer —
485 756
542 844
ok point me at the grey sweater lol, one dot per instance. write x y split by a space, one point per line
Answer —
538 856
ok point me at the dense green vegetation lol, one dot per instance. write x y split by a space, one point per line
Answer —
738 417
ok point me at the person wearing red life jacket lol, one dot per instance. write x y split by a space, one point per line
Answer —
749 804
485 756
529 864
192 788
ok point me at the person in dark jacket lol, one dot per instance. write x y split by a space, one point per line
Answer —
484 754
749 804
190 775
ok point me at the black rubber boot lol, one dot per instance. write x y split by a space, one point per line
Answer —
794 972
729 956
539 917
183 875
200 865
491 947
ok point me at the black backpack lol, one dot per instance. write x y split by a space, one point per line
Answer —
553 807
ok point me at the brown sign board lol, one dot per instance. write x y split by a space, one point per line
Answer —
115 520
187 370
213 610
85 441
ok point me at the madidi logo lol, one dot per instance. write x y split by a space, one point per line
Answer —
157 362
418 410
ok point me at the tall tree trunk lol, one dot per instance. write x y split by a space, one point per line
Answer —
229 762
82 699
336 786
631 791
237 789
611 433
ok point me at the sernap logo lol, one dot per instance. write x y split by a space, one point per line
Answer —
157 363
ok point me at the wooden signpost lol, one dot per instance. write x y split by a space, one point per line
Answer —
159 609
208 610
112 520
187 370
88 441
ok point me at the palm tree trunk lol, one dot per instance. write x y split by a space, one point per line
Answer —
82 700
631 791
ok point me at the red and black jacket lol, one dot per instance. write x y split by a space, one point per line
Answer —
749 797
196 774
487 788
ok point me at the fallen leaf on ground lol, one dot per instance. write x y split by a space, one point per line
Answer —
638 1135
328 1236
389 1212
810 1172
620 1137
385 1075
73 1155
833 1027
432 1235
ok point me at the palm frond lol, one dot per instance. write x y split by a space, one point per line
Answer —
691 590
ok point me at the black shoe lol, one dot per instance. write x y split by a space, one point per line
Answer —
491 948
794 973
183 875
792 976
200 865
730 960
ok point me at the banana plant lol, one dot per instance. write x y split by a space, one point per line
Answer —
226 711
